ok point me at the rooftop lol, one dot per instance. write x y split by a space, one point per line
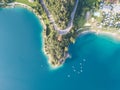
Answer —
31 1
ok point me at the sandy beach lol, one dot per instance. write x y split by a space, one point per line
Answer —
113 34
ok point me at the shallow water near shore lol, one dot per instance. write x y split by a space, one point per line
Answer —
94 62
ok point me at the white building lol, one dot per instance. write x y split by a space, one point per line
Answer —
97 14
106 8
31 1
116 8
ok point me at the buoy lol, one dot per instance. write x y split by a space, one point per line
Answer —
84 60
73 67
68 76
74 70
81 70
80 63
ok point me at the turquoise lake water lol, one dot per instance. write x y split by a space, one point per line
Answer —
94 62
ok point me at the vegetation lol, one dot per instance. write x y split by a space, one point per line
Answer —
27 2
83 7
61 11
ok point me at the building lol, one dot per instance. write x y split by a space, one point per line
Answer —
106 8
116 8
60 38
31 1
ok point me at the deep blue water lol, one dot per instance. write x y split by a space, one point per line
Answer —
94 62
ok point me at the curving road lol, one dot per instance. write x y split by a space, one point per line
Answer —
52 21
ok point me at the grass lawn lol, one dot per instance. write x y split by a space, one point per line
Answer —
27 2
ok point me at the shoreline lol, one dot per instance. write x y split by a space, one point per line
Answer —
113 34
15 4
48 56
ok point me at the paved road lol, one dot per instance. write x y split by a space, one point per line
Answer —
49 15
70 23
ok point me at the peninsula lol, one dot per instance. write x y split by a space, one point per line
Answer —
64 20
